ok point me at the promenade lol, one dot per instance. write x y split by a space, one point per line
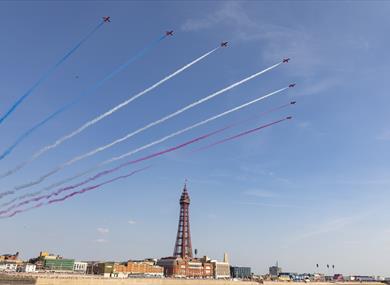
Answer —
48 279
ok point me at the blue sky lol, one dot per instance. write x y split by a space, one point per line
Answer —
311 190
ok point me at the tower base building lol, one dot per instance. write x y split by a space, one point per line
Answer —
188 267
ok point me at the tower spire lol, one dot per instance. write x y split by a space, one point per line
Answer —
183 246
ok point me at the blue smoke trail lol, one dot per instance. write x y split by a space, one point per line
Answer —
87 93
48 73
27 133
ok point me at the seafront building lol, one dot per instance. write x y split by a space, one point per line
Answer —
275 270
240 272
55 263
221 269
10 262
138 268
103 268
9 257
27 268
80 267
60 264
179 267
8 266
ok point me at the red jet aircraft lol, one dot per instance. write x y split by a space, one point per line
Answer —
106 19
224 44
291 85
285 60
169 33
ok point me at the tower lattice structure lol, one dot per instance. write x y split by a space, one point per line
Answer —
183 246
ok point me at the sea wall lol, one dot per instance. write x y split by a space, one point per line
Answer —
143 281
321 283
16 279
134 281
39 279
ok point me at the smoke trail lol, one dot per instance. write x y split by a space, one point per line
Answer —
106 114
192 127
159 121
21 211
93 88
29 132
84 190
139 149
49 72
80 174
106 172
131 162
241 134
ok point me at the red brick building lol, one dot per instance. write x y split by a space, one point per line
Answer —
138 268
187 267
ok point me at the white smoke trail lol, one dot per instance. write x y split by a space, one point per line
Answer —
190 127
174 114
99 149
102 116
149 145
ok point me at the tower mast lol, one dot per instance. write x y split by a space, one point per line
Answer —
183 246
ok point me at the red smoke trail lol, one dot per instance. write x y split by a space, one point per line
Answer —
100 174
86 189
93 187
90 188
105 172
241 134
23 210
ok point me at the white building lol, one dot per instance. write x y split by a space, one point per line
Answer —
8 266
80 267
27 267
221 268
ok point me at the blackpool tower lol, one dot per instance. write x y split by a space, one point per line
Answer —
183 247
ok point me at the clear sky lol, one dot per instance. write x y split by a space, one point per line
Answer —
311 190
